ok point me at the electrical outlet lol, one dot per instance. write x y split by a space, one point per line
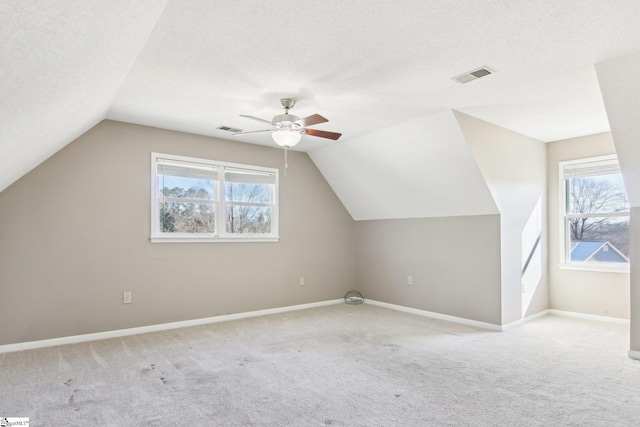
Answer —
409 280
301 280
126 298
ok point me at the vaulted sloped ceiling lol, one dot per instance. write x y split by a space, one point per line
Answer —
374 182
61 65
379 71
621 92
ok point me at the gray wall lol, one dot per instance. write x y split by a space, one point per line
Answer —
74 234
454 262
466 266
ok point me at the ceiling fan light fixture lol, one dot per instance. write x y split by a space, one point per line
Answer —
286 138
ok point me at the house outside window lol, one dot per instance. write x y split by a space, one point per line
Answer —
199 200
595 215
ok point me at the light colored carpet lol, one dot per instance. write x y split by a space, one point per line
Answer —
338 365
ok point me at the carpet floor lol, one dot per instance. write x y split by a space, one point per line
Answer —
338 365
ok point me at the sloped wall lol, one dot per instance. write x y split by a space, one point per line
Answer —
621 94
422 210
419 169
74 234
63 64
514 167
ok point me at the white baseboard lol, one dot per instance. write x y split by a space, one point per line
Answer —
154 328
616 320
516 323
494 327
454 319
7 348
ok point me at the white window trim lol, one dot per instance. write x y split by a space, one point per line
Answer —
563 242
157 237
595 268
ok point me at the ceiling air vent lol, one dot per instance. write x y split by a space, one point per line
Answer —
473 75
229 129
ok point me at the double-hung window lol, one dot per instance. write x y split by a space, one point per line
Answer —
199 200
595 215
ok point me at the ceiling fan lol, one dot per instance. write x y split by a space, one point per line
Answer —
287 129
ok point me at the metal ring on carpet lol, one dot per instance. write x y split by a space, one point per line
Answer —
353 297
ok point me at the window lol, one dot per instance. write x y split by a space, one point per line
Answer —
197 200
595 214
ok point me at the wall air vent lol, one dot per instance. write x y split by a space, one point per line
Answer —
473 75
229 129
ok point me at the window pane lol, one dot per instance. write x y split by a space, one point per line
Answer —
596 212
185 182
248 193
186 217
212 201
250 176
599 239
248 219
596 194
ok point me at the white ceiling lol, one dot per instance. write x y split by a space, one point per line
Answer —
431 172
193 65
61 66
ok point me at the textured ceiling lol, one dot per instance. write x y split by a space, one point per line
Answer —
370 66
193 65
430 173
61 65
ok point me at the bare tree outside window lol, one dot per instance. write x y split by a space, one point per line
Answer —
597 214
248 209
187 210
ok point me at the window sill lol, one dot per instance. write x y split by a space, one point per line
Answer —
251 239
594 268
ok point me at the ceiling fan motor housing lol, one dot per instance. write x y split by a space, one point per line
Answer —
286 118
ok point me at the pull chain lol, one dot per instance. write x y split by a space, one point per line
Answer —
286 165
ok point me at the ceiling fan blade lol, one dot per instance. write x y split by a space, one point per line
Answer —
252 131
311 120
255 118
323 134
